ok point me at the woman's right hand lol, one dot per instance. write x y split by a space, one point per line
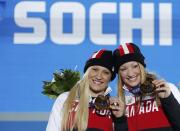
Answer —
162 88
117 106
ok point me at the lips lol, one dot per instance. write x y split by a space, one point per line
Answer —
97 82
133 78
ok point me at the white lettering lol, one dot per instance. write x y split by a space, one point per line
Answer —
154 106
146 23
96 25
148 106
141 110
130 111
56 23
38 25
128 23
165 24
127 111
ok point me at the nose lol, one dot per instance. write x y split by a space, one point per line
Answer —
99 75
130 73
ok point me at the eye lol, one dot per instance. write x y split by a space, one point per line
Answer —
107 72
135 66
122 69
94 69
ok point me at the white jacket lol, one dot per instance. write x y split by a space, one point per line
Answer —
175 91
54 123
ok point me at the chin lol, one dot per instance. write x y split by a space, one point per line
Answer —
133 84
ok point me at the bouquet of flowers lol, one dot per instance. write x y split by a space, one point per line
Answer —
63 81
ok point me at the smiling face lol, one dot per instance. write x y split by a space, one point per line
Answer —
99 78
130 73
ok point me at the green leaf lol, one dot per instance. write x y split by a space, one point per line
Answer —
64 80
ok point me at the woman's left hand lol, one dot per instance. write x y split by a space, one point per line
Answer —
117 106
162 88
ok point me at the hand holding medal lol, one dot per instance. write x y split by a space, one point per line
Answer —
117 106
102 102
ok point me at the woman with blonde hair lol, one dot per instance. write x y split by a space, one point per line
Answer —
151 104
88 107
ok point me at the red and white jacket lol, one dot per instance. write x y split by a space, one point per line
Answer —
101 121
148 116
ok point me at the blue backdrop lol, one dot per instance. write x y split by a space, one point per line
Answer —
40 37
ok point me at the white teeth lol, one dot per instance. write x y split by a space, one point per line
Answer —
132 78
97 82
